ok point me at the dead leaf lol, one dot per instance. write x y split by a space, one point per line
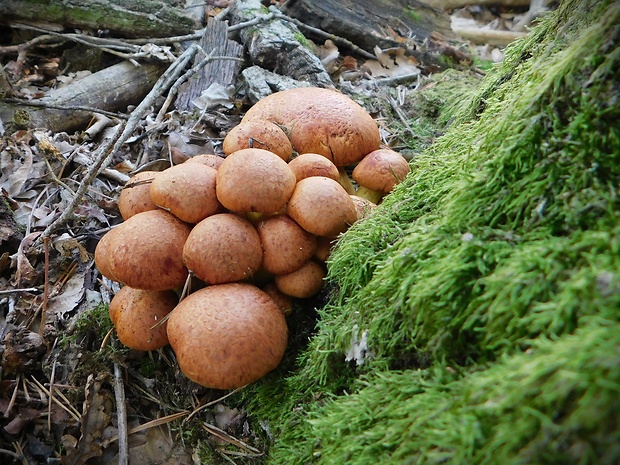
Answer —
95 418
70 247
25 274
71 295
391 62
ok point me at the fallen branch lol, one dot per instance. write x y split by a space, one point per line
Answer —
452 4
121 414
108 148
488 36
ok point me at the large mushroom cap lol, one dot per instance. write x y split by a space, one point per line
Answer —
228 335
135 196
187 191
321 121
254 180
321 206
258 134
223 248
286 245
145 251
136 314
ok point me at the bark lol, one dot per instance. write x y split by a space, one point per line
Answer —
278 46
111 89
140 18
452 4
368 23
224 72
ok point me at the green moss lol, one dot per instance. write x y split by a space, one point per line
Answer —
299 37
412 14
95 321
554 404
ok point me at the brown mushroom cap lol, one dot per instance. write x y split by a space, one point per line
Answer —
283 301
321 206
223 248
145 252
135 196
187 191
321 121
381 170
303 282
135 313
258 134
103 255
209 159
313 164
363 206
324 246
254 180
228 335
286 245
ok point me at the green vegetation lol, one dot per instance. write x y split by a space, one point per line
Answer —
94 322
483 295
411 13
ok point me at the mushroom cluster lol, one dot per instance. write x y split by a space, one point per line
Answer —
250 231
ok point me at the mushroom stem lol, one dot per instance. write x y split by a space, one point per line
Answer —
345 181
368 194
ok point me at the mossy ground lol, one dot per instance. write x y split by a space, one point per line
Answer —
487 284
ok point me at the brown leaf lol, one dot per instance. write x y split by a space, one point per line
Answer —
94 421
26 274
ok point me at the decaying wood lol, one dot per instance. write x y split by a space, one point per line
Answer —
110 89
488 36
370 23
140 18
224 72
277 46
452 4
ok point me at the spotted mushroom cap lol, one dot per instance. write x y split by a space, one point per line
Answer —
322 121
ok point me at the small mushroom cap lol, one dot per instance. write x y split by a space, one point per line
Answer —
324 246
363 206
313 164
145 252
381 170
228 335
135 314
223 248
187 191
254 180
321 206
303 282
286 245
258 134
322 121
285 302
135 196
209 159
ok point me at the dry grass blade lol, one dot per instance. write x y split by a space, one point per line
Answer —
213 402
224 436
152 423
68 407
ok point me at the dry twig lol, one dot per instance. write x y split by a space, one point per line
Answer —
103 156
121 413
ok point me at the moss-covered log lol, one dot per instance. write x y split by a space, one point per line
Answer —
485 289
142 18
